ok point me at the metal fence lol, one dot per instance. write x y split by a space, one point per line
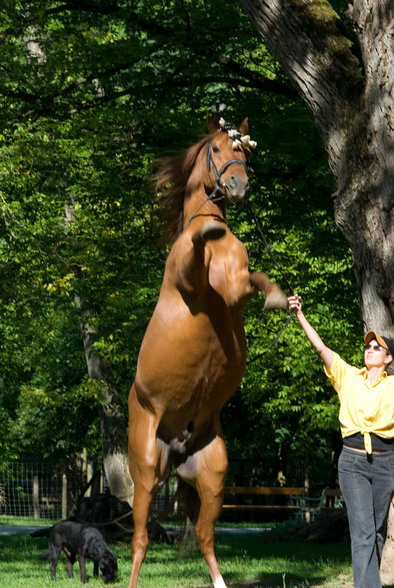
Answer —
44 491
39 490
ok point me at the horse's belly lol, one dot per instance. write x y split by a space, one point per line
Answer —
185 362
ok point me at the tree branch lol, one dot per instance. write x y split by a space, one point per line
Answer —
255 79
85 7
308 41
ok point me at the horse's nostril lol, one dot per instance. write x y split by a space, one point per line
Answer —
236 182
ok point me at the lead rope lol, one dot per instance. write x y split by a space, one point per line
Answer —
286 281
268 248
212 197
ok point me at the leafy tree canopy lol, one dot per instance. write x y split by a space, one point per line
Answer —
90 94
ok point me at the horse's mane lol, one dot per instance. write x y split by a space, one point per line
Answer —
171 178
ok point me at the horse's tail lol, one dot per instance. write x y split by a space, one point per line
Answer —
188 501
188 509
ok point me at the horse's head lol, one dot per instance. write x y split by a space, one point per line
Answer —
227 151
214 168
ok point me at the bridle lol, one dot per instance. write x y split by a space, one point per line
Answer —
218 184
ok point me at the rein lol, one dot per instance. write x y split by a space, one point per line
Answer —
286 281
268 248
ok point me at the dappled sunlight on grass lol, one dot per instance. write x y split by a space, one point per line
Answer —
244 559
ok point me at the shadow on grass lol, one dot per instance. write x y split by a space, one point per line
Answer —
246 561
249 561
283 563
22 548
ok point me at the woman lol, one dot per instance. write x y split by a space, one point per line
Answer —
366 463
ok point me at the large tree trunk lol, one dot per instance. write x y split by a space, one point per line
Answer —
351 100
349 91
386 567
366 213
112 419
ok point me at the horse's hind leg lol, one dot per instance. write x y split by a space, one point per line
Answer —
207 470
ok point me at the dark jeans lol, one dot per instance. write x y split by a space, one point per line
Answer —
367 485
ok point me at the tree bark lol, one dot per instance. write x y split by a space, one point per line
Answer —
112 420
386 566
349 92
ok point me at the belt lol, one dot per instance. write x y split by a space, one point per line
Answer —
363 450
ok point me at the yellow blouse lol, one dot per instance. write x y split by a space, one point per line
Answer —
363 409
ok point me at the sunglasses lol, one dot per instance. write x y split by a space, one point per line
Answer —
374 347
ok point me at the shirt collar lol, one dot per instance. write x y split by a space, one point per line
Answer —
363 373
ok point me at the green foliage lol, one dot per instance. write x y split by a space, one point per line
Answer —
90 95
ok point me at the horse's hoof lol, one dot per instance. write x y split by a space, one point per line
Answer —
212 230
276 299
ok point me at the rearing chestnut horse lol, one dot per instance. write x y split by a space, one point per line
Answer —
193 354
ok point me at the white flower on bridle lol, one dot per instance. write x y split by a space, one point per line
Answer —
239 140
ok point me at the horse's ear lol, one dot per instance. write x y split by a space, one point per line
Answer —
213 124
244 126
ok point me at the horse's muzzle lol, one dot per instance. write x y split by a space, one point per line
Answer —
236 187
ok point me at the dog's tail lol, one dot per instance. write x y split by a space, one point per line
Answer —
41 532
50 554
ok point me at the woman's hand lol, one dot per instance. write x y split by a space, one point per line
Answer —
327 355
295 303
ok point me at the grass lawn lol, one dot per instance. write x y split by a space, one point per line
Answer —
245 560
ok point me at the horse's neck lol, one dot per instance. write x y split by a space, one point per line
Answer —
197 203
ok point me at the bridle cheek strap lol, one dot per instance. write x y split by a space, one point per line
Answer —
218 173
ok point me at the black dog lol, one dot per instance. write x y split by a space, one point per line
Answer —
84 542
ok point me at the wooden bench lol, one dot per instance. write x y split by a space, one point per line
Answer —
49 502
333 499
293 501
306 508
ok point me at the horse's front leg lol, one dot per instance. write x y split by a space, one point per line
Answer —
207 470
274 297
148 466
191 262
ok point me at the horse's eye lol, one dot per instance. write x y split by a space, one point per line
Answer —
215 149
